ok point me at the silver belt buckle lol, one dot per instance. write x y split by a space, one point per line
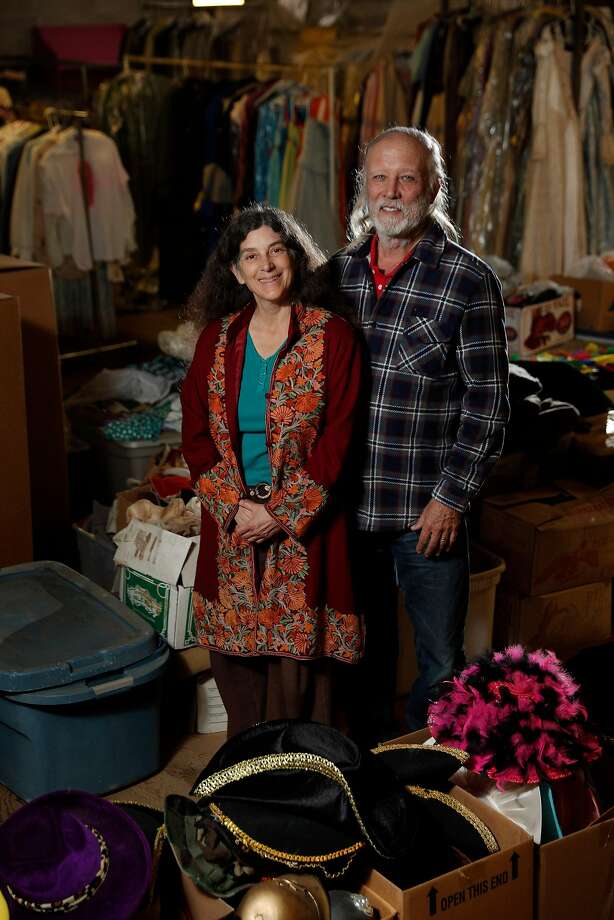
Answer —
261 491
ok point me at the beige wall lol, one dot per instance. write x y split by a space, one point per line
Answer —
18 16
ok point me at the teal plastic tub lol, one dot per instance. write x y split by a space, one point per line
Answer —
80 685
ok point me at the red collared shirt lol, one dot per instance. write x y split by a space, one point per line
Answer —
381 279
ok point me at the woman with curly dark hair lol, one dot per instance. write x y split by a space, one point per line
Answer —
269 405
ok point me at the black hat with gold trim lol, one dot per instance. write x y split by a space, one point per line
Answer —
300 795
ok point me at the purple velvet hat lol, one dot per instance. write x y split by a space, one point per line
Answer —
73 853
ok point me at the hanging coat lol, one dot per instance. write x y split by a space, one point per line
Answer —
304 606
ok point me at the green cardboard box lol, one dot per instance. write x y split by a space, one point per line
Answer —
157 579
168 608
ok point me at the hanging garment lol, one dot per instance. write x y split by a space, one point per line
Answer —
109 203
270 113
598 144
385 101
418 66
13 155
39 239
182 159
84 304
431 82
484 217
13 137
291 153
555 221
248 117
21 227
276 160
312 205
514 156
133 109
470 150
457 55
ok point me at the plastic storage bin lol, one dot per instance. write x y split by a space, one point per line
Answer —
121 461
486 572
79 685
96 551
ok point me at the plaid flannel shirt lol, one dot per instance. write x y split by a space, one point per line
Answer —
439 388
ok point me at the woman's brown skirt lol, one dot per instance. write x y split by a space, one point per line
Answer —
266 687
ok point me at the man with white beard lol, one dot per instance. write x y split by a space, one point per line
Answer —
433 321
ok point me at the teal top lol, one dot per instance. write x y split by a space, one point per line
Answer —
255 383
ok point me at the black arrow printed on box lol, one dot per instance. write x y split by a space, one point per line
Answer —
514 859
432 899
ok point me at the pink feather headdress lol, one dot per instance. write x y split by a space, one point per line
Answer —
518 714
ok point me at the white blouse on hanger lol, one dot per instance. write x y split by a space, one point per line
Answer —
111 210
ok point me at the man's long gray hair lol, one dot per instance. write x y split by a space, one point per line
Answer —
360 223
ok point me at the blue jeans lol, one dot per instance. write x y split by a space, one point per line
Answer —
436 596
436 593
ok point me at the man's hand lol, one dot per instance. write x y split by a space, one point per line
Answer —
254 524
439 528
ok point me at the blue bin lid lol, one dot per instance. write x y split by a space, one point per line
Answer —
57 627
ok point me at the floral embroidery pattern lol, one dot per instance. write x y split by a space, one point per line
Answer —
219 489
341 636
276 620
298 396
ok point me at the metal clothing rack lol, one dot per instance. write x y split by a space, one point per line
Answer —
51 110
329 73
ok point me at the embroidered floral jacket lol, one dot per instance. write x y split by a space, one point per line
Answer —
304 607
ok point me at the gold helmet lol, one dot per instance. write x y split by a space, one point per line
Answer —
288 897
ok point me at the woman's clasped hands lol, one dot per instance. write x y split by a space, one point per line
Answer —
253 523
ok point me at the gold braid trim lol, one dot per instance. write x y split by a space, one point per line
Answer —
294 860
156 855
296 761
485 833
460 755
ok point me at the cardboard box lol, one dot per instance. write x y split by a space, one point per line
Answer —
168 608
16 518
498 886
31 284
592 454
159 569
190 662
201 906
602 423
512 473
551 539
595 305
575 875
386 910
118 519
534 328
564 621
